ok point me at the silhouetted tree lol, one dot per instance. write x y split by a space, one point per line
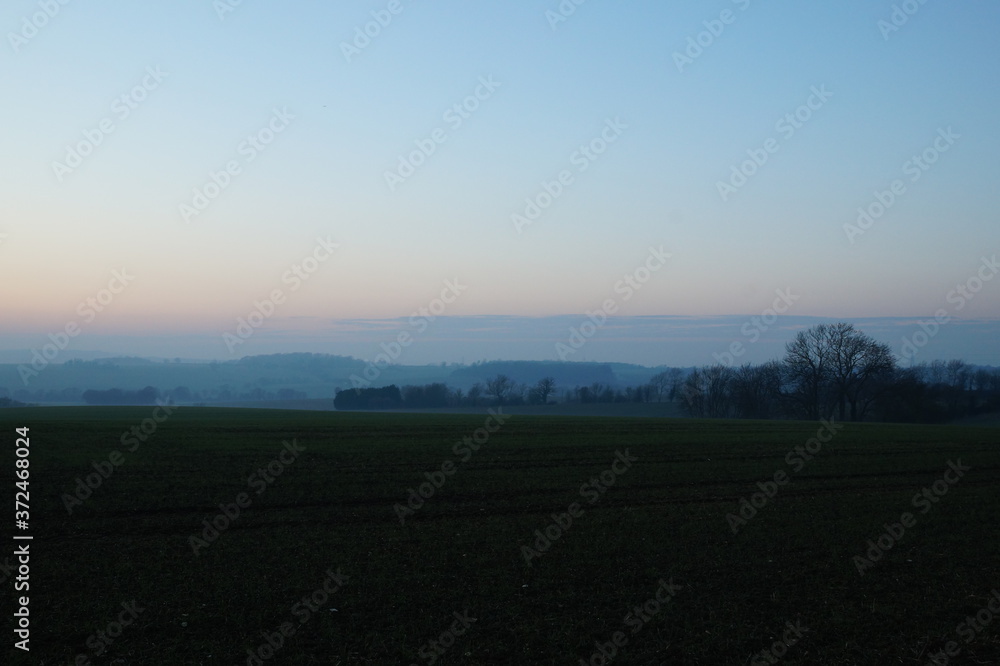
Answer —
501 387
858 366
540 392
705 392
807 368
755 390
475 394
666 384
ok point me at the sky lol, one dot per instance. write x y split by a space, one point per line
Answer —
335 174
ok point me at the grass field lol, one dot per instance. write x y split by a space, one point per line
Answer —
662 516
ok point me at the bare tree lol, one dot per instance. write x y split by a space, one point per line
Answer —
936 372
985 381
719 382
857 363
755 390
541 391
705 392
807 367
475 393
660 384
836 365
958 374
501 387
667 383
691 395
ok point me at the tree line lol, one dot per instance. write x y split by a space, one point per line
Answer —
835 370
829 370
498 390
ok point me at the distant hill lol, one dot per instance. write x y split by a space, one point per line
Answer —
287 377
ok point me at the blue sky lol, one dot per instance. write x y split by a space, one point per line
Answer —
224 76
